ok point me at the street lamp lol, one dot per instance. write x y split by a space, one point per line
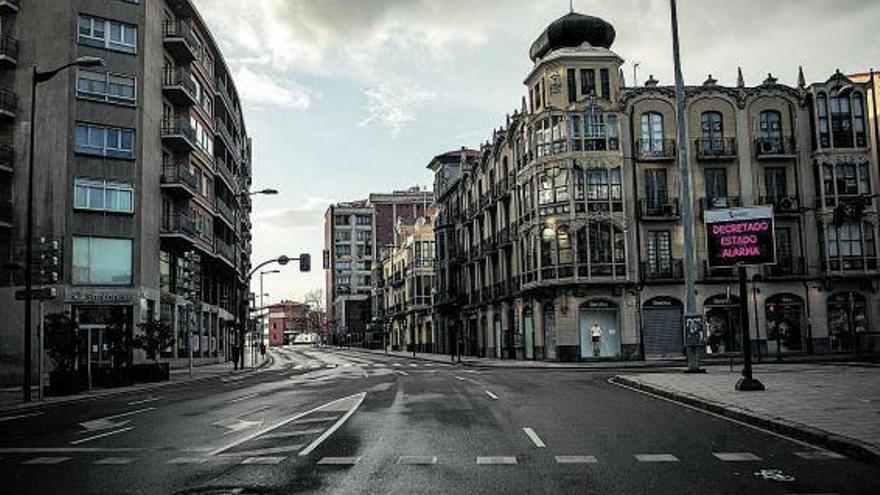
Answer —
268 192
37 77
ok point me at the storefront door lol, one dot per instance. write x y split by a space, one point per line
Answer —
599 329
663 334
528 334
549 332
723 331
847 318
784 314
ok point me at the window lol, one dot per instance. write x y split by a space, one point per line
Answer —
342 235
102 261
604 190
112 142
548 238
845 179
102 195
605 79
343 250
364 235
343 265
341 220
553 190
783 246
850 240
822 110
770 123
111 35
572 86
364 219
841 122
538 95
656 194
204 139
588 82
858 108
563 246
775 184
652 133
716 186
712 125
594 125
659 252
105 86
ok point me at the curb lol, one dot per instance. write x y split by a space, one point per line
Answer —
849 447
105 393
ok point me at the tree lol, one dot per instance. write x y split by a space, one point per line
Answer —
315 299
155 337
63 340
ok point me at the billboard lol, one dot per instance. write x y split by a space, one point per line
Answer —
740 236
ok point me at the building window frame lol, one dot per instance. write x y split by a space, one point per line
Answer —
104 141
108 34
84 264
89 192
108 80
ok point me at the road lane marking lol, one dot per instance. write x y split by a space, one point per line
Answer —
490 394
288 434
534 437
246 397
339 461
417 460
67 450
413 365
107 422
736 456
144 401
402 373
327 406
114 461
365 373
312 446
21 416
815 455
395 364
268 451
263 460
496 460
299 367
459 378
187 460
656 458
319 419
47 460
576 459
101 435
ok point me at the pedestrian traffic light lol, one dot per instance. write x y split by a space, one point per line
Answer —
305 262
50 261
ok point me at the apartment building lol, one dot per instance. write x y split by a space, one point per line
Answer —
136 163
356 234
561 239
404 291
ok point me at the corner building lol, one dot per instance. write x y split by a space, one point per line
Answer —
561 238
136 163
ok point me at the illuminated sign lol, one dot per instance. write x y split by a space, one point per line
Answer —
740 236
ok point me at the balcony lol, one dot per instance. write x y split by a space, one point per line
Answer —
8 104
226 137
781 205
716 148
226 173
225 251
671 270
6 212
787 267
8 51
225 211
178 86
185 228
7 158
9 6
650 209
779 147
719 203
179 135
180 41
655 150
851 265
502 238
180 174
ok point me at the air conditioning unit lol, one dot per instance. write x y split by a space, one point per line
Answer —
768 146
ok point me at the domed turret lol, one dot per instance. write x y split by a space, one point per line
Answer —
572 30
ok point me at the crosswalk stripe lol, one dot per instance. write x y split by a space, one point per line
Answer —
417 459
339 461
534 437
816 455
263 460
656 458
114 461
736 456
496 460
576 459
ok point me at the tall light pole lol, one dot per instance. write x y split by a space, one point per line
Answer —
692 319
37 77
262 305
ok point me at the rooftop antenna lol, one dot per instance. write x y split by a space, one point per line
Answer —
571 6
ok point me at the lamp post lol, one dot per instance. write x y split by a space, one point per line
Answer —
37 77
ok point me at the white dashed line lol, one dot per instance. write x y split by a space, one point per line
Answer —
21 416
144 401
114 461
339 461
246 397
47 460
413 365
263 460
402 373
736 456
496 460
187 460
459 378
656 458
102 435
815 455
534 437
417 460
576 459
491 395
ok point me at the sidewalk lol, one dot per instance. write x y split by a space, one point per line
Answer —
10 398
833 406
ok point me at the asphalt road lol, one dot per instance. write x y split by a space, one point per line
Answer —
330 421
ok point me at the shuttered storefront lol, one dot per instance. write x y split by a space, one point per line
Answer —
661 327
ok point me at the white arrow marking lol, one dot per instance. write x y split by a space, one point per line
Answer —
107 422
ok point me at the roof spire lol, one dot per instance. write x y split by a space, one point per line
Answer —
740 81
802 82
571 6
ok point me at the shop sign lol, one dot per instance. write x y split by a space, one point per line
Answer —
740 236
92 296
662 302
600 304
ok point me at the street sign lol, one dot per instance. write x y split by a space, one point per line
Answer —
37 294
740 236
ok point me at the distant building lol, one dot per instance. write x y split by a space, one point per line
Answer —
288 319
355 235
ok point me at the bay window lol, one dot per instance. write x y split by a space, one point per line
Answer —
845 180
849 245
604 190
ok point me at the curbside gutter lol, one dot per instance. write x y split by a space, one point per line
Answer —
849 447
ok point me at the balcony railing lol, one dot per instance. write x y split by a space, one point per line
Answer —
716 148
9 50
663 210
769 147
717 273
178 86
719 203
226 173
180 173
8 103
662 270
852 264
180 40
7 157
655 149
9 6
225 211
222 248
786 267
225 134
782 204
179 134
185 225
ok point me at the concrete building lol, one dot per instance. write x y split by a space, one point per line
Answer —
137 163
289 319
404 294
562 238
355 236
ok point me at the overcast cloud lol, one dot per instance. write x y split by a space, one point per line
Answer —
345 97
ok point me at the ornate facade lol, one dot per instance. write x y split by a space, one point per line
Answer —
561 238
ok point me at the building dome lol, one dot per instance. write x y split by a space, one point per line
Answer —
572 30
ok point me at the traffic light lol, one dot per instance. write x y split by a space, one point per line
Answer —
191 275
49 262
305 262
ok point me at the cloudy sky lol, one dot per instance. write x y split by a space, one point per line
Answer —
345 97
